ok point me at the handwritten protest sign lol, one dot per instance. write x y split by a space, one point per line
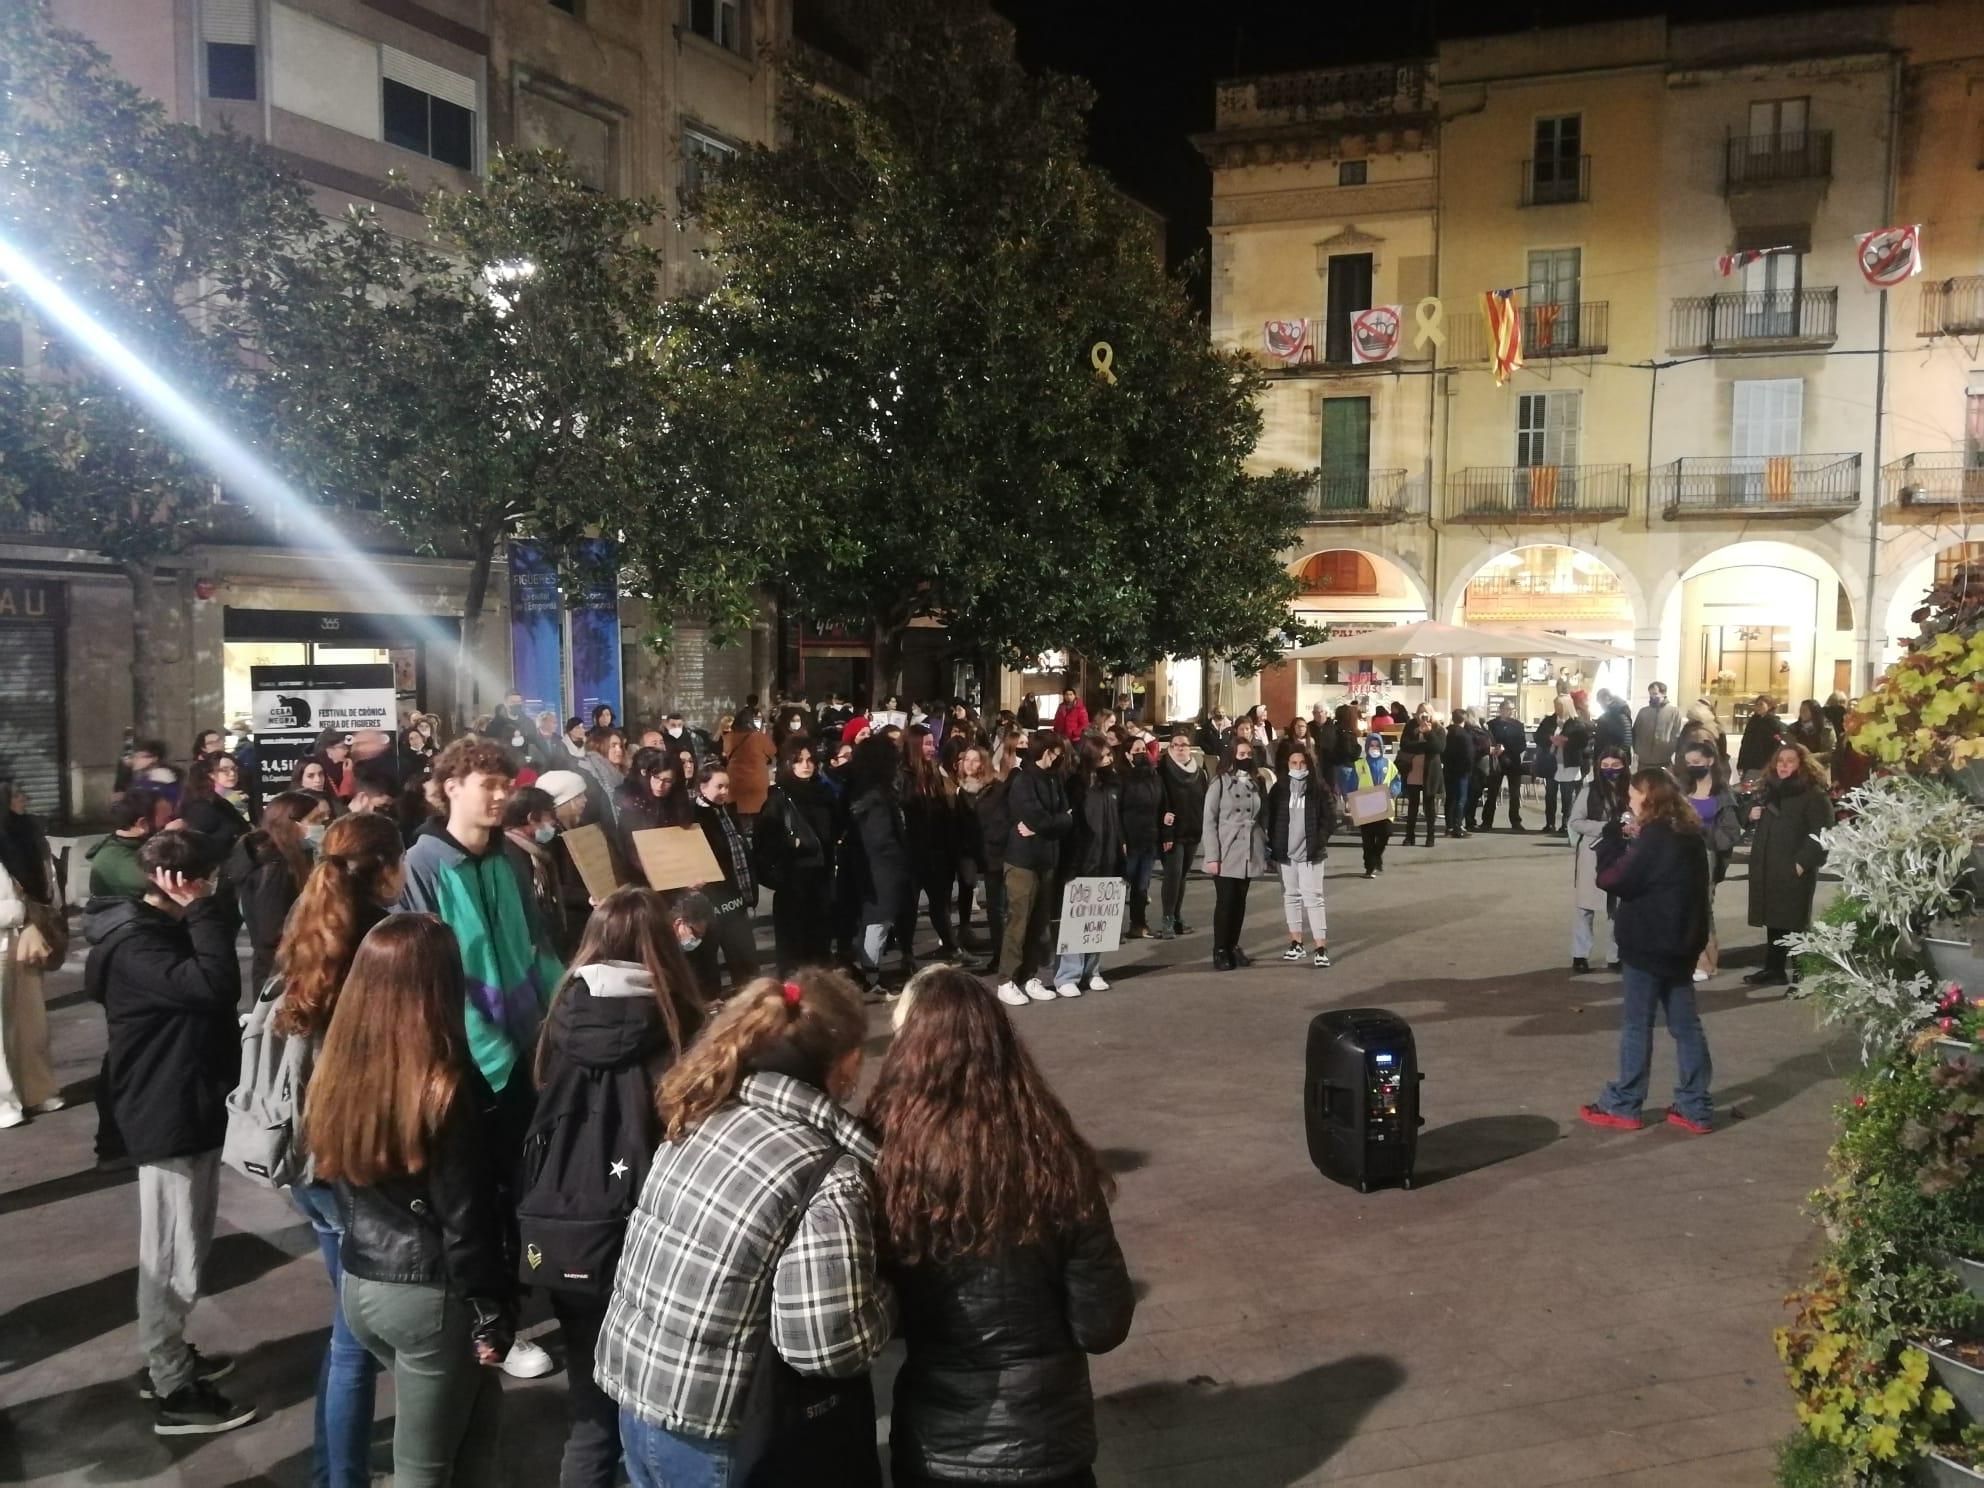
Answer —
676 857
1091 916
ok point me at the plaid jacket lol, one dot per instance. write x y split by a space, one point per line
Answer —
719 1261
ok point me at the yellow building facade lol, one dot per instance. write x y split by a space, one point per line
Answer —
1689 465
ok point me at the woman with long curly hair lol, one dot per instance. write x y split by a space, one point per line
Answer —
398 1121
1655 863
752 1247
1785 854
994 1226
358 875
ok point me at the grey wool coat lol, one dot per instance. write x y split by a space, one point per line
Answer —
1233 836
1584 830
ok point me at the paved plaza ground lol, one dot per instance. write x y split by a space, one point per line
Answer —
1550 1305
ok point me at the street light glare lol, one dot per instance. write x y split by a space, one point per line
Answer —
230 461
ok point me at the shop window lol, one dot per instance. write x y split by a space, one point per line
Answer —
1339 572
1756 657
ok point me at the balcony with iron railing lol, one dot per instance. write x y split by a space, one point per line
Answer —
1755 319
1538 493
1935 478
1751 161
1758 485
1953 307
1571 329
1374 496
1555 181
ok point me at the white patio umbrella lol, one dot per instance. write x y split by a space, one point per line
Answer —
1430 638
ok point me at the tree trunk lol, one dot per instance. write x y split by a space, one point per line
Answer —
468 666
143 575
888 661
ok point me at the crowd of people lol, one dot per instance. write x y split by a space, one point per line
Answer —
478 1078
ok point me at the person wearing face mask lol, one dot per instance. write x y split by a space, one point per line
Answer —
1369 771
1236 849
1599 803
530 820
1705 776
1301 813
794 844
1786 855
1422 751
1179 824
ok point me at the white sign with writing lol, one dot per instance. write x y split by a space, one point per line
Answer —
1091 916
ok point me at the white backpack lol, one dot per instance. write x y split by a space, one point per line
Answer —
263 1141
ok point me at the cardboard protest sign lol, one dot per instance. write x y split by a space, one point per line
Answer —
1091 915
676 857
591 855
1367 806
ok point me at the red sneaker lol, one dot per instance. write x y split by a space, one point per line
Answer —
1592 1116
1699 1128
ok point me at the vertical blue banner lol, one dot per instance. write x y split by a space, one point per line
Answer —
595 619
537 661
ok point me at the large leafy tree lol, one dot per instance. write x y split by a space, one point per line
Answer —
920 275
167 235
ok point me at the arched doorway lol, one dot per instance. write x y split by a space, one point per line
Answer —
1913 588
1545 587
1349 590
1760 618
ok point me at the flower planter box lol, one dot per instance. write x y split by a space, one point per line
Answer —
1953 952
1964 1381
1954 1051
1939 1472
1972 1273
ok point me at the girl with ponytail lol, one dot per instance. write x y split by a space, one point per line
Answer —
749 1266
358 873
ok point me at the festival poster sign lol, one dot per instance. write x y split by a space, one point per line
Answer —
291 705
537 661
593 612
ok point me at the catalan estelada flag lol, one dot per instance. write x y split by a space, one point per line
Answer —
1498 308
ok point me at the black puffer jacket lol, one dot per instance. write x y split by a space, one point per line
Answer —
442 1226
1318 818
1661 882
995 1388
984 823
168 988
1141 804
1038 798
1095 845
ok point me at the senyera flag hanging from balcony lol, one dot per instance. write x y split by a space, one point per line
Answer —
1374 333
1889 255
1498 308
1288 340
1742 258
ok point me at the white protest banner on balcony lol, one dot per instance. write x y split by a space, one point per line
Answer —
1374 333
1288 340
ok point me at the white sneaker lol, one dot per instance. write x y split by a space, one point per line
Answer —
48 1107
1294 952
1700 975
1068 989
526 1360
12 1116
1010 994
1097 984
1038 990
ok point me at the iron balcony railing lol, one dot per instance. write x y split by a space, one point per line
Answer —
1375 496
1752 160
1538 492
1953 307
1755 317
1936 478
1555 180
1573 328
1759 485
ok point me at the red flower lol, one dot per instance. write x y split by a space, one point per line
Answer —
1859 1102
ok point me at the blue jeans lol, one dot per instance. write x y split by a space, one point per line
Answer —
660 1458
1645 990
1137 870
346 1378
1076 967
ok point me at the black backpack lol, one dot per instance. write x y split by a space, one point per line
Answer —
585 1156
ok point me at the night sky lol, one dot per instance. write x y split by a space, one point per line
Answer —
1153 64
